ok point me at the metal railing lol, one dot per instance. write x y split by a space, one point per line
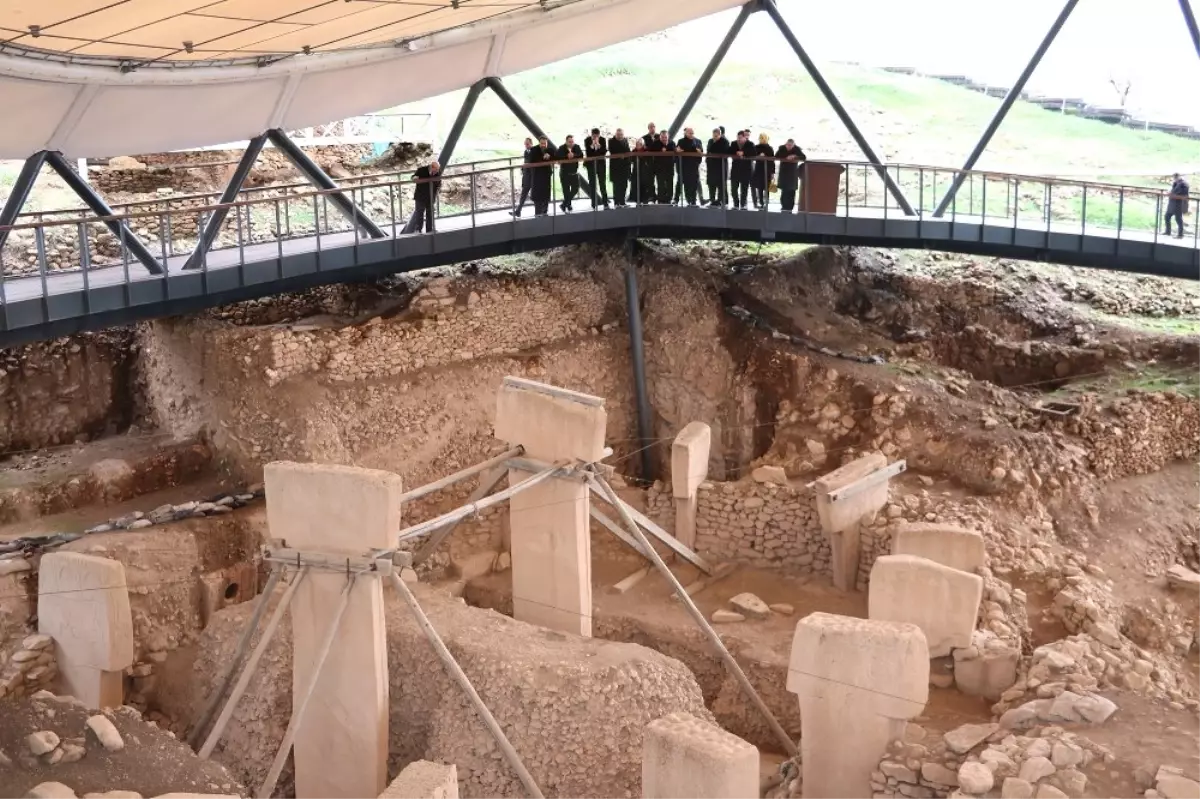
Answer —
46 244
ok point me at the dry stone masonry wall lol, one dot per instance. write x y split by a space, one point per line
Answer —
28 668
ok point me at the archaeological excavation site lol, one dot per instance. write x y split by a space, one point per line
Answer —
673 519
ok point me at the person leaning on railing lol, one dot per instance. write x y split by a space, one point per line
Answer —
790 157
526 178
424 196
569 156
541 158
1177 204
764 171
621 167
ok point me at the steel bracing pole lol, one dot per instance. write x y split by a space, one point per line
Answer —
831 98
1001 112
713 64
234 187
100 208
1189 16
637 350
502 92
460 121
318 178
20 192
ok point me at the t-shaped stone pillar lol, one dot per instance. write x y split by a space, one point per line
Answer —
341 744
550 524
83 604
684 757
689 468
942 601
841 519
858 681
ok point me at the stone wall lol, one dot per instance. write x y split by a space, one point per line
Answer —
69 389
31 666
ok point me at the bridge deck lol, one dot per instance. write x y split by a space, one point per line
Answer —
59 302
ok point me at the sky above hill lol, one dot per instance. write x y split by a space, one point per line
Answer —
1145 43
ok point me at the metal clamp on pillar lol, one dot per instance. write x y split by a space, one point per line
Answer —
379 563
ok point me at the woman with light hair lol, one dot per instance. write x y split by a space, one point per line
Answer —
764 172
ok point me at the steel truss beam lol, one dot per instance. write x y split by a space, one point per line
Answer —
1189 17
1006 104
713 64
213 225
460 121
894 188
100 208
315 175
20 192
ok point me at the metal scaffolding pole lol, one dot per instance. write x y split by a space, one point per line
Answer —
212 226
1189 17
505 97
814 73
20 192
318 178
644 420
1005 105
460 121
713 64
100 208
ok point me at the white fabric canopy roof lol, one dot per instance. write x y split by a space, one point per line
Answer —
65 89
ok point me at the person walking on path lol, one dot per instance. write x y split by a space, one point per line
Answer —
1177 204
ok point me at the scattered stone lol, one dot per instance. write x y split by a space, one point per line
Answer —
140 524
37 642
1036 768
503 562
1038 747
770 474
941 679
106 733
14 565
1171 783
113 795
1094 708
1015 788
965 738
750 606
1065 755
42 742
1182 577
72 752
898 772
974 777
782 608
936 772
722 616
1049 792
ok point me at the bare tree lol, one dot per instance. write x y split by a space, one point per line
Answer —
1121 84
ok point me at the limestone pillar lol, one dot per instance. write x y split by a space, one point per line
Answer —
942 601
858 681
342 742
689 468
423 779
684 757
841 520
946 544
549 523
83 604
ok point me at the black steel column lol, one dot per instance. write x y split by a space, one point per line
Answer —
644 419
1007 103
814 73
502 92
460 121
713 64
212 225
20 192
318 178
1189 17
100 208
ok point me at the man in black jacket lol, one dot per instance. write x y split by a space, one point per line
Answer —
596 147
621 168
526 178
664 167
689 148
741 169
790 157
424 196
651 135
717 168
541 167
1177 203
569 156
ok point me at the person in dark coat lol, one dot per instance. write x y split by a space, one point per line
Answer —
651 135
741 170
764 172
526 178
643 173
424 196
569 156
790 157
1177 204
541 165
689 148
621 168
596 147
664 167
716 167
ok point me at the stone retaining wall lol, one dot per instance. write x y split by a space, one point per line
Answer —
31 666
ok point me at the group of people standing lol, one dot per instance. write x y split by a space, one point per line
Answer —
658 169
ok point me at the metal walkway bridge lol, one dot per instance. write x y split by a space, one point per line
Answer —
71 271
